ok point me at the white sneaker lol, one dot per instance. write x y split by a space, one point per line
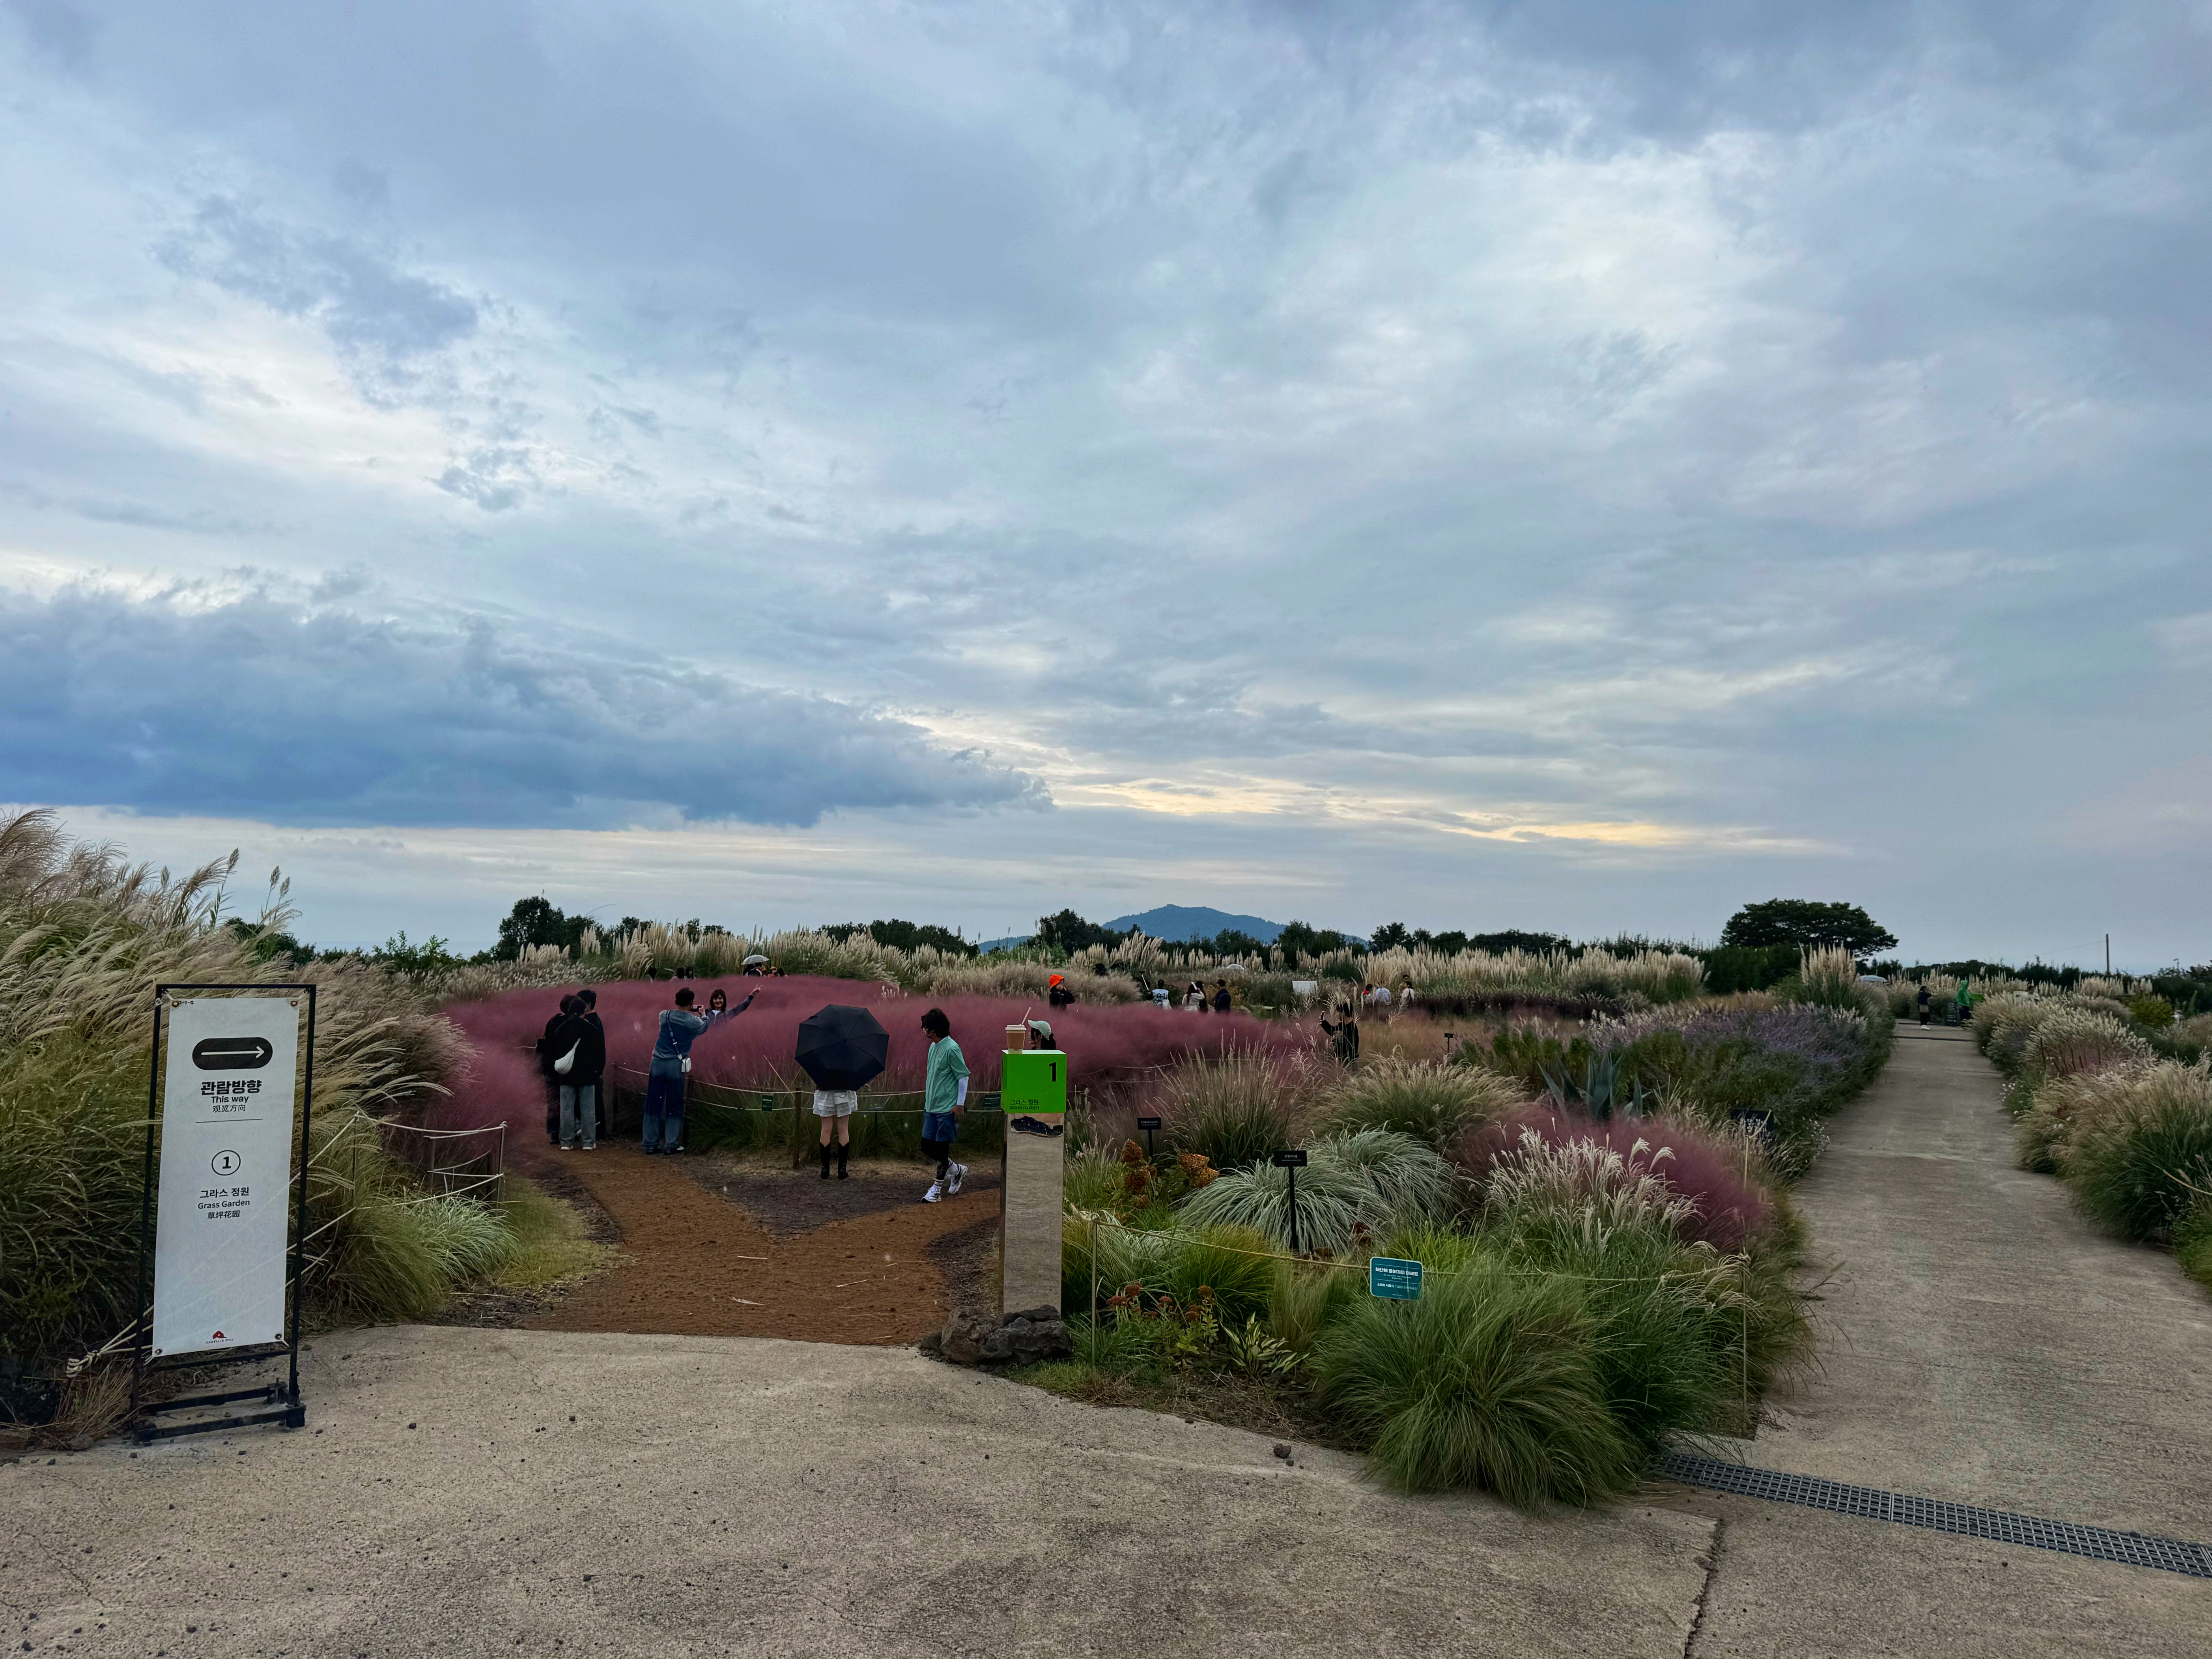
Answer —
936 1191
959 1175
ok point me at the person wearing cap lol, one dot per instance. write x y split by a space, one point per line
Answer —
1057 993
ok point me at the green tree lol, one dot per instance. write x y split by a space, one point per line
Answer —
907 935
1516 939
1807 923
1069 933
433 956
1234 942
1300 941
538 920
1390 936
268 943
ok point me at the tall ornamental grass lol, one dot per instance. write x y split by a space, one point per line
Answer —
2131 1133
1654 975
2051 1109
1669 1319
1828 977
1354 1186
2003 1024
2192 1240
1435 1103
1576 1313
84 937
1234 1110
1233 1267
2071 1040
1491 1380
1719 1178
2140 1159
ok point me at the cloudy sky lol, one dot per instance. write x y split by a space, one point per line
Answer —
1581 467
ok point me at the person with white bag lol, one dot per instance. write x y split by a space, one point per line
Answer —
547 1055
581 1042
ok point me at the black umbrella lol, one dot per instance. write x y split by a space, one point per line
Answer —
842 1048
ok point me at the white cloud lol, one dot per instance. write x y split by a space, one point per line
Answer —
1471 433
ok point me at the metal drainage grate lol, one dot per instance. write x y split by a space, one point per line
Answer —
1871 1503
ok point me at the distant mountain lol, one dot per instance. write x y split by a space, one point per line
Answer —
1181 924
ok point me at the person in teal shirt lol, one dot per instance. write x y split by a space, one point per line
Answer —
944 1098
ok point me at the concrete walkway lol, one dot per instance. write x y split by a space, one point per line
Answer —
1978 1342
496 1492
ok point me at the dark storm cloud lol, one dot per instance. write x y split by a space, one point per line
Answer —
257 707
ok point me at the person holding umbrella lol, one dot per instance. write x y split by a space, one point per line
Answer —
840 1049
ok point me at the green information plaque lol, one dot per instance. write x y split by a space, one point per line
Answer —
1033 1083
1395 1279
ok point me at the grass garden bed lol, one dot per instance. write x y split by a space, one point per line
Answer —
1600 1210
2116 1100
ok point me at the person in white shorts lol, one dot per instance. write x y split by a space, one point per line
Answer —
836 1107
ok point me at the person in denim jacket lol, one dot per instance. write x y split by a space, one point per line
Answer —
680 1026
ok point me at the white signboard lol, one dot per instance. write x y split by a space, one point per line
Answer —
221 1243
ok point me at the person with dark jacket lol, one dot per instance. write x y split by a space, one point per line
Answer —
1924 998
547 1053
1221 1001
584 1040
1346 1036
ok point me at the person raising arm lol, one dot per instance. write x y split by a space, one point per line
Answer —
664 1080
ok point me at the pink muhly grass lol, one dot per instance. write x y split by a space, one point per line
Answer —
755 1050
1695 1165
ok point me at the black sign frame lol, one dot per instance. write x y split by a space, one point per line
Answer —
283 1399
1290 1160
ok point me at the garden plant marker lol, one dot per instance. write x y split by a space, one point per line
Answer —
1394 1278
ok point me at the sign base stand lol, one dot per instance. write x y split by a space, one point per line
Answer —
289 1410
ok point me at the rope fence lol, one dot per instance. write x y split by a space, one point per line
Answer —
774 1098
424 1152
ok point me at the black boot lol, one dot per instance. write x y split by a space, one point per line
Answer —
825 1160
844 1151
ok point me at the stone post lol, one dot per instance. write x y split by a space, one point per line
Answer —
1033 1091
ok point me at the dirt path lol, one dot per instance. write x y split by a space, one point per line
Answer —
782 1254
